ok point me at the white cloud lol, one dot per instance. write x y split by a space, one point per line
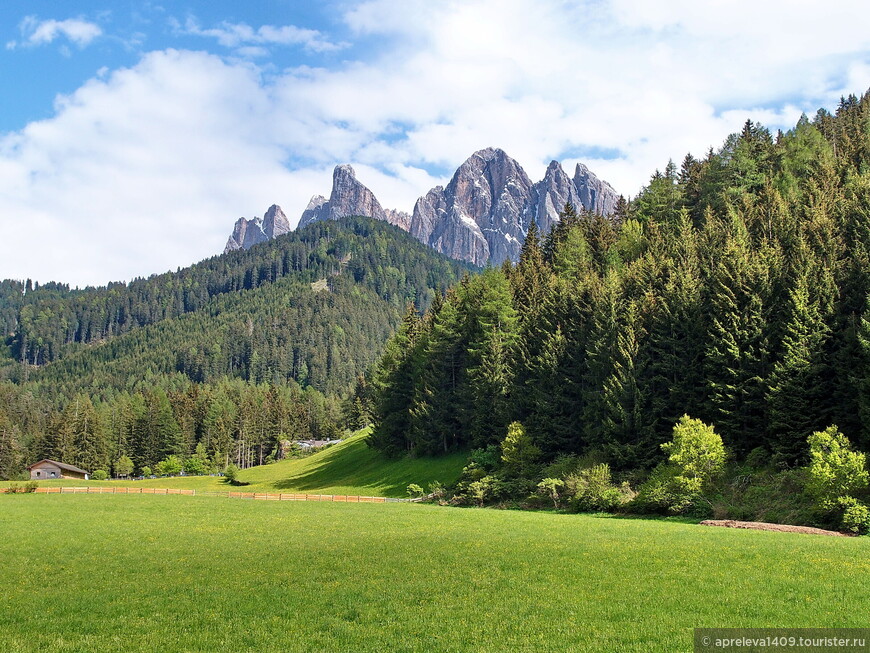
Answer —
145 169
36 32
142 172
241 35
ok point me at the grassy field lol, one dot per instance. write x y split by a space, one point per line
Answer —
177 573
350 467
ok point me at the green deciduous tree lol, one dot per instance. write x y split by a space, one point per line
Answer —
697 453
835 470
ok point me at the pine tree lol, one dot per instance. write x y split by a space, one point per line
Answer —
737 357
395 383
796 388
11 451
91 444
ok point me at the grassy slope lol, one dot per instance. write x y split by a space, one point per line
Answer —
174 573
347 468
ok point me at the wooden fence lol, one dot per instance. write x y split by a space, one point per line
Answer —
261 496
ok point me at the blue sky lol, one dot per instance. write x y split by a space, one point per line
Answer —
133 134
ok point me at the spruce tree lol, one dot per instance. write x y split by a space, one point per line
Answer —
797 389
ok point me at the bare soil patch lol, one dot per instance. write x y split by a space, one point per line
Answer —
762 526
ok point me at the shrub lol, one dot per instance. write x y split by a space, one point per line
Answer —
30 486
169 466
100 475
414 491
198 465
551 487
856 516
146 471
662 493
231 473
436 490
519 454
593 489
12 488
481 490
697 453
123 466
835 471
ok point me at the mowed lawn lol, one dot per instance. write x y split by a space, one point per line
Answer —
181 573
351 467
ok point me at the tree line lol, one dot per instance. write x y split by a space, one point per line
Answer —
280 330
211 425
733 289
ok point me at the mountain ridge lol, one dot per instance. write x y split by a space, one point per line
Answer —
481 216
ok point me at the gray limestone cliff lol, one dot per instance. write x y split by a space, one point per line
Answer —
481 216
247 233
348 197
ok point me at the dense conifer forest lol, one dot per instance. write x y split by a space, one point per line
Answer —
227 358
733 289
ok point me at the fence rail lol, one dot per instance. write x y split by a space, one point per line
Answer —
257 496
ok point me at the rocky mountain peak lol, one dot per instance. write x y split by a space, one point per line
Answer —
348 197
246 234
595 194
275 223
551 194
481 216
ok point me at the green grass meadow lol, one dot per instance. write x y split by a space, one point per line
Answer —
181 573
350 467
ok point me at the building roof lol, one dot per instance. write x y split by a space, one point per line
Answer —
69 468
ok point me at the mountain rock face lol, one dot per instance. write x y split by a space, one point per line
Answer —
596 195
348 197
481 216
275 223
247 233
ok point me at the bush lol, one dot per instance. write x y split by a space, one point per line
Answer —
30 486
231 473
123 466
856 516
481 490
436 490
696 456
486 459
662 493
146 471
551 487
12 488
697 453
835 471
592 489
197 465
169 466
100 475
414 491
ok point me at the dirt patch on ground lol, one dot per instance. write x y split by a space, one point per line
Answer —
762 526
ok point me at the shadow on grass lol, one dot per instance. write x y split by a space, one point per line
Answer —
356 465
673 519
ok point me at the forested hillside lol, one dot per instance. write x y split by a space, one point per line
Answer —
236 354
734 289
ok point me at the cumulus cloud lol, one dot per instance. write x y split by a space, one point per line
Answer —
142 171
145 169
41 32
245 37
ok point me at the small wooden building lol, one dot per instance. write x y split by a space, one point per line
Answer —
45 470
